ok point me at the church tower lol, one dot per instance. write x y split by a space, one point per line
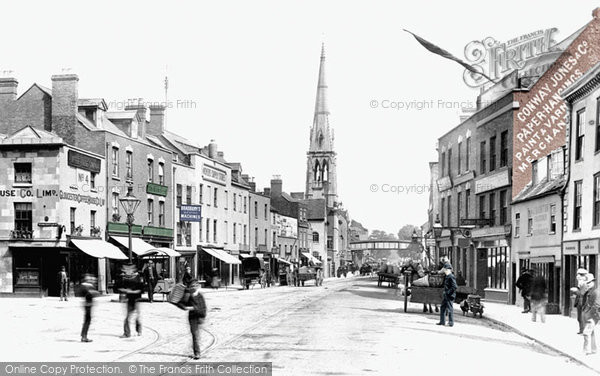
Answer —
321 162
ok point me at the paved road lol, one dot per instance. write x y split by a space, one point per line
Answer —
347 327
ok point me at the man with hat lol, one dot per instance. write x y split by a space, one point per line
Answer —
449 296
196 306
579 291
591 315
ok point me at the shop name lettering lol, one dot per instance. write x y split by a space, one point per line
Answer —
214 174
496 59
81 198
543 116
26 192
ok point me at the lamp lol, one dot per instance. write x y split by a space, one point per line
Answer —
437 227
130 203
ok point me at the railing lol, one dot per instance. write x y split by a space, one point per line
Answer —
21 234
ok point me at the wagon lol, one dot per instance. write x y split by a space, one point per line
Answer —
308 273
392 279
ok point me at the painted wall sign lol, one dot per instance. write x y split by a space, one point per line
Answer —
85 162
214 174
488 183
571 248
28 192
540 120
90 200
190 213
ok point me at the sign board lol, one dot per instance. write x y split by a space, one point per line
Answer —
214 174
589 247
82 161
488 183
540 120
47 224
444 183
571 248
190 213
475 221
157 189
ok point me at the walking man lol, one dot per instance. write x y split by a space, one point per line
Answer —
88 292
524 285
538 298
591 315
449 296
196 315
151 277
579 292
133 290
63 282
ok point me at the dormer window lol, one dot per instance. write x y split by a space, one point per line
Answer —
90 114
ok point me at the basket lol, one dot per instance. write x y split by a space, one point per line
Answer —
436 280
177 293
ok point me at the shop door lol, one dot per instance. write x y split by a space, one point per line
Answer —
513 299
482 270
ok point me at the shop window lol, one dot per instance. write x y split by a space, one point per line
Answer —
23 220
497 264
22 173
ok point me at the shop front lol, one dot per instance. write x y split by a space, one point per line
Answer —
217 263
577 254
492 263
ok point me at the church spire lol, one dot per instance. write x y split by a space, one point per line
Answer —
320 134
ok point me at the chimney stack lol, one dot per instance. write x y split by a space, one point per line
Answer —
252 186
8 89
157 120
276 186
212 149
65 93
143 113
267 191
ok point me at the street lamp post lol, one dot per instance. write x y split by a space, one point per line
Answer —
437 232
130 203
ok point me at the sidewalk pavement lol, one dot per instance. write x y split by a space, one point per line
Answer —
558 332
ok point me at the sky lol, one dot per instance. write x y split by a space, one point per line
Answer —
244 73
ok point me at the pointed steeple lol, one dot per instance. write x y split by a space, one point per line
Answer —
320 134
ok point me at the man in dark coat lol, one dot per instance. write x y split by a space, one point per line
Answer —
197 313
151 277
524 284
449 296
187 276
538 298
591 315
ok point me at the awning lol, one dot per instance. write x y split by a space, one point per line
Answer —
99 248
542 259
222 255
245 255
311 258
284 261
165 251
140 247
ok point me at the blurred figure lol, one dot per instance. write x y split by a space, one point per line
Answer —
88 292
591 315
538 298
197 313
524 285
132 288
187 276
449 296
215 283
151 277
579 293
63 283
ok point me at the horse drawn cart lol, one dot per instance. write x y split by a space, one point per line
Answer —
433 294
307 273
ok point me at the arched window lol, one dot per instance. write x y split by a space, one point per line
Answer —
315 237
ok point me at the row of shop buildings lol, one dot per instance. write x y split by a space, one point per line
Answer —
67 162
517 182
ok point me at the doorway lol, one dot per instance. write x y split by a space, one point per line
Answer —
482 270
